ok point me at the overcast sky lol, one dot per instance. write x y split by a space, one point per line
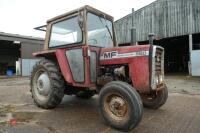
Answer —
21 16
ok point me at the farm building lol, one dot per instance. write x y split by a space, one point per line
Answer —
16 53
176 26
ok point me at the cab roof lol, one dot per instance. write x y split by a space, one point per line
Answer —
86 7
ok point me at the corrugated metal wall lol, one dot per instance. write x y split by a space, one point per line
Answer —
28 61
28 48
165 18
27 66
195 55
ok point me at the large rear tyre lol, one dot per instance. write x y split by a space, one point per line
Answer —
47 84
157 100
120 105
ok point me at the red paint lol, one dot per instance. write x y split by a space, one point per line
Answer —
13 122
64 65
87 66
65 68
42 53
139 71
138 66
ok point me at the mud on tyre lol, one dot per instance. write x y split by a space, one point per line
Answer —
120 105
47 84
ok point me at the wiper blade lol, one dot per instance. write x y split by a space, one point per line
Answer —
109 31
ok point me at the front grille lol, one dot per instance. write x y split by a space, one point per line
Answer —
157 77
158 60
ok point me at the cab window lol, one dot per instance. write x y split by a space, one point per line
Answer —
100 31
65 32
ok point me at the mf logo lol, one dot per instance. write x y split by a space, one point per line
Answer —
110 55
115 54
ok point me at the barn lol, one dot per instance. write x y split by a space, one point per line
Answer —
16 53
176 26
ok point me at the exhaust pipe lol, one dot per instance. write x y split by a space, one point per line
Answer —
133 30
133 36
151 38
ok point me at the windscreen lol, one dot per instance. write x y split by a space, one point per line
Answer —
100 31
65 32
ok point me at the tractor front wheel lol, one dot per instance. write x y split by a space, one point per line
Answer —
156 100
120 105
47 84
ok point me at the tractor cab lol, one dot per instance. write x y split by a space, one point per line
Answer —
78 35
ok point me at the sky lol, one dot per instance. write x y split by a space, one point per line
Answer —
21 16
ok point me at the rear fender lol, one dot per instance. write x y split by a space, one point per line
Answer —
46 53
60 57
64 66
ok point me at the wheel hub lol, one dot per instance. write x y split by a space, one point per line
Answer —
43 84
40 84
118 106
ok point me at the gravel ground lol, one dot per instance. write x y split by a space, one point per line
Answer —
183 84
179 115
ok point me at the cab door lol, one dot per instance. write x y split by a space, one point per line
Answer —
82 63
76 63
93 63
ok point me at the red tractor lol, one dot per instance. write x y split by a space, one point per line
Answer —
81 57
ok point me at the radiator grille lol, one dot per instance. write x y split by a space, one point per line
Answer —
157 78
158 60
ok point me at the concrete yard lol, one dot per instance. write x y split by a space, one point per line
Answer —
181 113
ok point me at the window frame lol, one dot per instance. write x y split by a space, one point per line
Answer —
107 18
69 44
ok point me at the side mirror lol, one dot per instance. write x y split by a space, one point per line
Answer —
80 19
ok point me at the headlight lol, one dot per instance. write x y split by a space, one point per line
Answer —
161 78
156 80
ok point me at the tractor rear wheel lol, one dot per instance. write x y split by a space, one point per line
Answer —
120 105
157 100
47 84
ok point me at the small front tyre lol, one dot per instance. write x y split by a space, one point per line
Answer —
120 105
155 100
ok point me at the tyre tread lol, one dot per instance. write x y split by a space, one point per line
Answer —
57 84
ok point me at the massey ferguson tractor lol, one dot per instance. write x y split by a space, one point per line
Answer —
81 57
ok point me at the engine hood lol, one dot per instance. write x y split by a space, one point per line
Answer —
122 54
